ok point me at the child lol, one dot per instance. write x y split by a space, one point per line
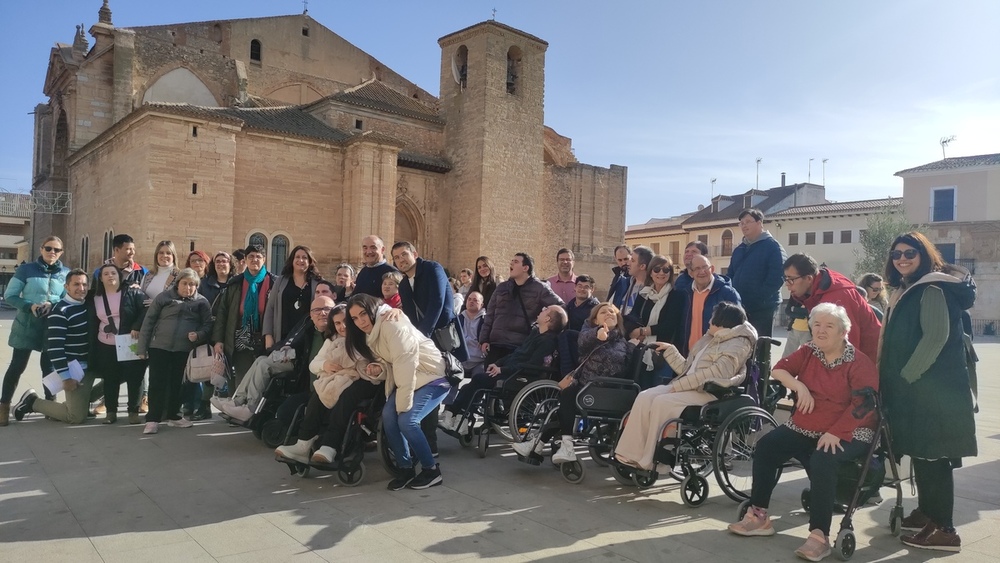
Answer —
390 289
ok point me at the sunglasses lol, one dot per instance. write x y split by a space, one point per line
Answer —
661 269
909 253
51 249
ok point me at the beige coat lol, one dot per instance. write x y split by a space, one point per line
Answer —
724 360
329 385
409 359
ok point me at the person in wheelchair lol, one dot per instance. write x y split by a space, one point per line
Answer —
826 429
532 353
720 357
334 395
605 348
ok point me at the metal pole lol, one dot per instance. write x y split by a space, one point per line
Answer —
757 186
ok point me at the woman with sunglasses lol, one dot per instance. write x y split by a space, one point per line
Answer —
657 316
925 382
115 310
33 290
874 287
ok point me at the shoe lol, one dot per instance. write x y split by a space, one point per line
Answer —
180 423
241 413
816 548
133 418
151 428
934 537
428 478
204 411
324 455
110 418
25 404
754 523
217 402
525 449
403 480
299 451
100 408
463 427
915 522
447 421
4 414
144 405
566 453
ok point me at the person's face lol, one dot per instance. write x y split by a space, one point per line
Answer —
344 277
464 278
660 274
875 289
361 319
702 269
517 268
222 266
483 269
164 258
404 259
255 261
909 259
606 316
543 318
340 324
300 262
319 312
323 290
372 250
634 267
51 251
76 287
798 286
124 253
474 302
584 290
238 266
751 228
689 254
187 287
622 258
389 288
565 263
827 333
197 264
109 277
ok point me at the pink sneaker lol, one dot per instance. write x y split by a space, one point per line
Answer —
816 548
754 523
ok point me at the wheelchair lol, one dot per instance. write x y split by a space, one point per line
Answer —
601 405
719 437
264 422
364 427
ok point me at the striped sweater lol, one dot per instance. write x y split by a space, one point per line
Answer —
67 335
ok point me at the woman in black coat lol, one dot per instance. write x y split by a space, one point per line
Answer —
925 384
115 310
658 316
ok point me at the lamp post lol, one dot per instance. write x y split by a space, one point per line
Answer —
824 170
809 174
713 188
759 158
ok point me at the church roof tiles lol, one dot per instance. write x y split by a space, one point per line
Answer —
376 95
287 120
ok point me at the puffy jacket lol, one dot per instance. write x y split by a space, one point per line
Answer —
832 287
169 320
756 269
721 291
601 359
724 361
409 359
33 283
505 323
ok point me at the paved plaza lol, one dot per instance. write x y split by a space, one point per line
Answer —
214 493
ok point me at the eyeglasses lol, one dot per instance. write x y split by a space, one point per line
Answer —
663 269
321 310
875 288
792 279
52 249
909 253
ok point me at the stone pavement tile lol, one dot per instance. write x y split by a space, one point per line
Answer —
641 545
188 551
77 550
270 555
511 530
317 525
31 517
202 507
442 541
129 540
364 543
240 535
369 503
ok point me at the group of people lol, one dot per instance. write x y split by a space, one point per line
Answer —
387 332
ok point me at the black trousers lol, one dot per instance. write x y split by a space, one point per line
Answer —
567 413
935 490
339 416
166 372
18 363
762 319
114 373
783 444
478 382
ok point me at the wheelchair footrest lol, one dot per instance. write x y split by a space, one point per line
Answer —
534 458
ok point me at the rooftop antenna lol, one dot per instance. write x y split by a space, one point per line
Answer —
809 174
824 170
945 141
713 188
759 158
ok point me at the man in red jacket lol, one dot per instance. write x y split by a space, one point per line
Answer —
811 285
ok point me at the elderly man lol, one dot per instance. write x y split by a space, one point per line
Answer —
564 282
706 291
296 350
756 271
686 277
471 319
369 279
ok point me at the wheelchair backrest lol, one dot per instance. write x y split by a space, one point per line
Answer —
568 351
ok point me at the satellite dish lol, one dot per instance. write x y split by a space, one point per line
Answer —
700 207
454 69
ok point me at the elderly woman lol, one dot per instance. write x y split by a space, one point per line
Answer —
288 302
115 310
822 433
604 349
925 382
415 383
657 316
719 357
33 290
178 320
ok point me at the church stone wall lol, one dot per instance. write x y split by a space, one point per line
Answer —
419 136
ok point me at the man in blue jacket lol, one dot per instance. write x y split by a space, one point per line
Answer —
620 281
757 272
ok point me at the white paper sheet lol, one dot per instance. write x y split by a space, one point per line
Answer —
54 382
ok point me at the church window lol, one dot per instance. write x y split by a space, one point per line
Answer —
305 32
217 33
194 131
460 66
279 251
192 246
358 124
513 69
258 239
194 188
255 50
85 252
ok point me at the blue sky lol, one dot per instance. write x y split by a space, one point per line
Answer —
680 92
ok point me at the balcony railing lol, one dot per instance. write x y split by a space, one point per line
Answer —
967 263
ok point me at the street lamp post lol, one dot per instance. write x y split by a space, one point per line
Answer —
809 174
759 158
824 170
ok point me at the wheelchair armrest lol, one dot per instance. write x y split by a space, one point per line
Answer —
720 391
613 382
549 372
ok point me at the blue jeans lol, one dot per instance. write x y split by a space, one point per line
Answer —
403 429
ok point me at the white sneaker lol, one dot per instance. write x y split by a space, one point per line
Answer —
447 421
180 423
217 402
524 449
566 454
463 427
241 413
325 454
299 451
151 428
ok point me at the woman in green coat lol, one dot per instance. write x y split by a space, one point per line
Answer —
925 382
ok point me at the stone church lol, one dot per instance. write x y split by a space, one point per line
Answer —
276 130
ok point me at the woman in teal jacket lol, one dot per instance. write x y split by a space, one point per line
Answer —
33 290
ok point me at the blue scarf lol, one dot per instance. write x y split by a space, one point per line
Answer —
251 316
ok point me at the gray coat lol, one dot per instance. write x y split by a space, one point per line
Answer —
505 323
169 320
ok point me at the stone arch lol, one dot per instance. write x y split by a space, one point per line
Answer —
60 147
296 93
180 85
409 224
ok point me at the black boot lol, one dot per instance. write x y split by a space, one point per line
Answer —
204 411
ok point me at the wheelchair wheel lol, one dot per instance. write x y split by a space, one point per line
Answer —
302 470
742 510
896 520
846 544
644 479
385 453
257 427
694 490
272 433
484 441
530 406
497 415
735 443
804 499
600 445
351 478
622 474
572 471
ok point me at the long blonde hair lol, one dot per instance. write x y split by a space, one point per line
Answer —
155 266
